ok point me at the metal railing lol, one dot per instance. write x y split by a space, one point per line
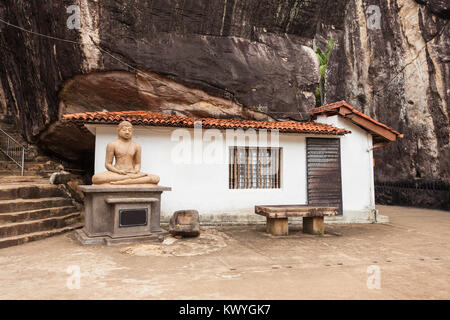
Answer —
12 149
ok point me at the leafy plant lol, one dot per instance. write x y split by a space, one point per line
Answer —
324 57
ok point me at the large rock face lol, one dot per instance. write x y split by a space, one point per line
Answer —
144 90
237 58
254 53
398 73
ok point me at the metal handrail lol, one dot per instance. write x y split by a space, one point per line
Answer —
12 149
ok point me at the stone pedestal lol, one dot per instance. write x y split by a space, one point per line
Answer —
121 213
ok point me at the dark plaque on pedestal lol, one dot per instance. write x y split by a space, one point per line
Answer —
133 217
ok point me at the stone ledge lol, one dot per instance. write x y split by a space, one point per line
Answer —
254 219
123 188
129 200
86 240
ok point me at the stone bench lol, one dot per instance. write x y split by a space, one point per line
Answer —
277 217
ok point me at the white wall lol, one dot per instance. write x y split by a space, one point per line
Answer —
357 165
204 186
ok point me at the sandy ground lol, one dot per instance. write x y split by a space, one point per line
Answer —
411 254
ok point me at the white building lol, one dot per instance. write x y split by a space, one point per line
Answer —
223 168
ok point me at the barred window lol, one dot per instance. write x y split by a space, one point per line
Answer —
254 168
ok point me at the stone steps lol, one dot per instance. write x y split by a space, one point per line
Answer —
44 169
22 216
9 165
18 205
34 209
15 179
30 207
29 191
4 173
16 240
32 154
32 226
35 160
45 174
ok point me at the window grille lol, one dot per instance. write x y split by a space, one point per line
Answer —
254 168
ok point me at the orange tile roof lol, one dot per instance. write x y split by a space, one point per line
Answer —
158 119
337 105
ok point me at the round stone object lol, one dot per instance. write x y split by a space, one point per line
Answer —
185 223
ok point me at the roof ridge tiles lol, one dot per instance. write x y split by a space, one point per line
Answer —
335 105
148 117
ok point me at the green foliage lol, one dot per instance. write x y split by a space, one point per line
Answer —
324 57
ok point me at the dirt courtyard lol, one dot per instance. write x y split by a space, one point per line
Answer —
407 258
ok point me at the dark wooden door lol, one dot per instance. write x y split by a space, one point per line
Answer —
323 161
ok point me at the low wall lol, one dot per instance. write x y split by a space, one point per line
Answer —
421 193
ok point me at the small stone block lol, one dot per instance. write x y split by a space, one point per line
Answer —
277 227
185 223
313 225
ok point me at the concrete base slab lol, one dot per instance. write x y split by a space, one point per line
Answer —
86 240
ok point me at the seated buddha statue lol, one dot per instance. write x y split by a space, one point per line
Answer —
127 156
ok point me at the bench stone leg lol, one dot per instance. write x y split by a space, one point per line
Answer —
313 225
277 227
